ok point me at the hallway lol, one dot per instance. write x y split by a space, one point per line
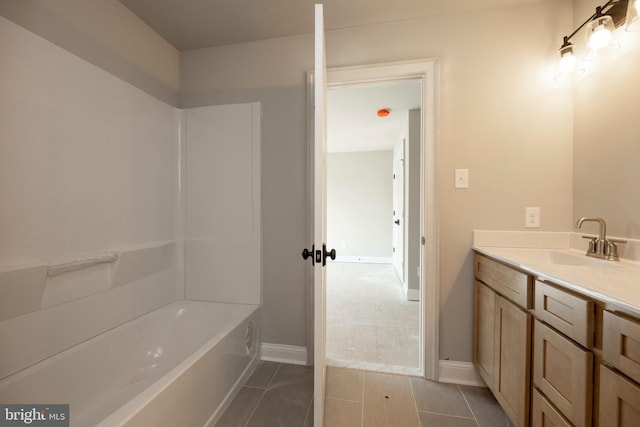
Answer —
369 323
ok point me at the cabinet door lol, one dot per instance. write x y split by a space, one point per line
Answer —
543 414
619 400
621 344
563 371
570 314
484 330
513 284
511 369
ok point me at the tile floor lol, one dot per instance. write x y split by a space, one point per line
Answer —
370 324
281 395
369 399
276 395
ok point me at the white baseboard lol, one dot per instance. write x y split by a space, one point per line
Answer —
364 259
413 294
284 353
462 373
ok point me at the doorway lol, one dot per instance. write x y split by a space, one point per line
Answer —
426 72
373 217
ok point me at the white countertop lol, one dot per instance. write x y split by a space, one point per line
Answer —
614 283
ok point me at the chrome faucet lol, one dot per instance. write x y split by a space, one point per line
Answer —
601 247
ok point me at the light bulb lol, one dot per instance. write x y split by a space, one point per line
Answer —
567 63
600 37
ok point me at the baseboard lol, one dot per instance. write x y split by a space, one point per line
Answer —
284 353
462 373
413 294
365 259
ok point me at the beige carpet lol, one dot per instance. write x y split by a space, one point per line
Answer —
370 324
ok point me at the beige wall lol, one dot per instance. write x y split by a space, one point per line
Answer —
360 203
500 115
104 33
607 136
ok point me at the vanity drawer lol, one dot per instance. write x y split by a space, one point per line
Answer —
512 284
621 344
563 371
619 400
570 314
543 414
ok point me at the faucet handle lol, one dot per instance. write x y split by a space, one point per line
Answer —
612 251
617 240
592 244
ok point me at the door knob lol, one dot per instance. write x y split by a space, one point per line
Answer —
306 253
331 254
397 222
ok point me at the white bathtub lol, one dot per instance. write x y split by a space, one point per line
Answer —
177 366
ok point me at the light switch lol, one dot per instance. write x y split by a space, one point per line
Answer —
462 178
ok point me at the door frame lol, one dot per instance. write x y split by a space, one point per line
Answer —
425 70
399 254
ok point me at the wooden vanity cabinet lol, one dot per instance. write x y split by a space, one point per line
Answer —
620 380
562 351
553 356
512 344
619 400
563 371
544 414
502 335
484 330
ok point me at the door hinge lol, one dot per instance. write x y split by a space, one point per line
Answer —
423 240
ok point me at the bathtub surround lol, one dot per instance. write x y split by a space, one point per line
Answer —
223 215
93 179
106 34
87 167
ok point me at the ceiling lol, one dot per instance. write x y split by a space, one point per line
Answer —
192 24
352 122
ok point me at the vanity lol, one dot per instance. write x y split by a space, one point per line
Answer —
557 335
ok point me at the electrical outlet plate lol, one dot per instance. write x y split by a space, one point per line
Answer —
532 217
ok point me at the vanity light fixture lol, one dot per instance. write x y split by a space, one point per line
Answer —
633 15
599 29
568 59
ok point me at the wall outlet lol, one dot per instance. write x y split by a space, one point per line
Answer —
532 217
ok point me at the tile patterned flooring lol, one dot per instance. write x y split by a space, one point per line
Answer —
275 395
370 324
281 395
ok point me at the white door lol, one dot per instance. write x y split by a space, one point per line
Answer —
398 209
319 217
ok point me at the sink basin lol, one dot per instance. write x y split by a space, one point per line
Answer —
559 258
566 258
